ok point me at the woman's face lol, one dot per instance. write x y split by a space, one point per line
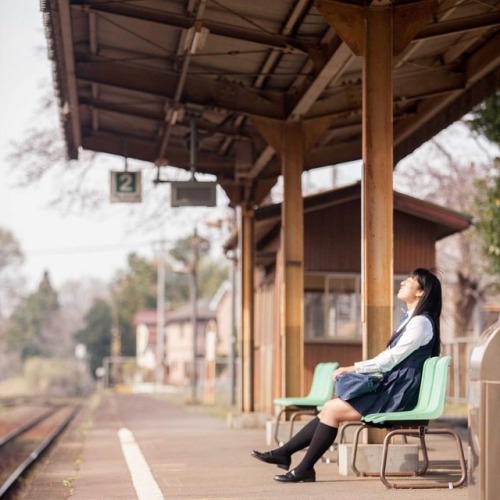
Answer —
410 291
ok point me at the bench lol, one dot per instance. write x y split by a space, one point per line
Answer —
430 406
320 392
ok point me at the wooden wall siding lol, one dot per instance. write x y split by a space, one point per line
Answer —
414 243
270 242
258 378
314 352
264 349
279 347
332 238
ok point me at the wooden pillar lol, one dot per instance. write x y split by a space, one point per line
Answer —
377 188
288 140
368 30
247 246
377 32
291 140
292 250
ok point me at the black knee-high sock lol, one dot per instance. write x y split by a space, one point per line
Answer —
301 439
322 440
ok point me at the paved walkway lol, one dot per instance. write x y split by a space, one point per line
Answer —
177 452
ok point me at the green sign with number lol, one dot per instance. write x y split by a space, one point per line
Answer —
126 187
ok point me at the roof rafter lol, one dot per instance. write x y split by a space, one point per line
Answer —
201 91
288 44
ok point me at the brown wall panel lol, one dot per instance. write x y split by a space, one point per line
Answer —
314 352
414 243
332 239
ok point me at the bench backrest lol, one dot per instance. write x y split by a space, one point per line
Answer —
322 383
426 384
316 380
437 398
432 395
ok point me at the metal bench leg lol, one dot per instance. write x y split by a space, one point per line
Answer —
385 452
387 440
460 451
276 426
423 446
343 428
354 452
421 433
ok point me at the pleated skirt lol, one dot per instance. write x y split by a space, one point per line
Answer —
398 391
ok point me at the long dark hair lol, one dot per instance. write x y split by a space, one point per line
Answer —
430 303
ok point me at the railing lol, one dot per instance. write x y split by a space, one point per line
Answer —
460 351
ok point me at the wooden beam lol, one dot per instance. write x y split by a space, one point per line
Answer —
287 139
377 231
483 62
197 90
292 248
349 21
377 189
144 149
407 139
377 32
291 140
288 44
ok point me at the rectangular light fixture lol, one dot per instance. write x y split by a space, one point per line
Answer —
193 194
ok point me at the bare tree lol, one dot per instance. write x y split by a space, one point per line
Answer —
75 299
82 186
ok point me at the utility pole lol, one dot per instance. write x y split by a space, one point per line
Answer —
234 330
194 312
160 314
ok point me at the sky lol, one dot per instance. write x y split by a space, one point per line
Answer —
69 247
49 240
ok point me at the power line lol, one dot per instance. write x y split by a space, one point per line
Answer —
89 249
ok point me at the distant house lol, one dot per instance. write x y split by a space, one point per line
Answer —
213 337
145 327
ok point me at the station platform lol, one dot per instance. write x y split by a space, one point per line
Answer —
148 447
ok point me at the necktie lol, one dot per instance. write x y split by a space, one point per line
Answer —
395 333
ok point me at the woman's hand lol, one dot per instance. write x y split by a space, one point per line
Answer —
342 369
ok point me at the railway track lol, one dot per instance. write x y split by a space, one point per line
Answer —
26 431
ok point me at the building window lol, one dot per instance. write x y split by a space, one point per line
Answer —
332 307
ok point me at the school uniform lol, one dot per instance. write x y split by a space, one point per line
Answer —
401 366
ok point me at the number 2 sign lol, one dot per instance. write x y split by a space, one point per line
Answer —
126 187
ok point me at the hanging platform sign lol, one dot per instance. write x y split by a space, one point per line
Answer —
193 194
126 187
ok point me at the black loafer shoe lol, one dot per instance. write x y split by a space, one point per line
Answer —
308 476
282 461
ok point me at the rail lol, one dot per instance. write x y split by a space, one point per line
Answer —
33 455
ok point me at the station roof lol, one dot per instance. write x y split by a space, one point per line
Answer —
132 77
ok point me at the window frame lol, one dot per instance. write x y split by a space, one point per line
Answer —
317 282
